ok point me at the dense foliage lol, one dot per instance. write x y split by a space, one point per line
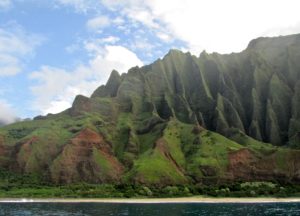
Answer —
214 121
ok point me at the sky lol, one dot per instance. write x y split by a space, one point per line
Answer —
51 51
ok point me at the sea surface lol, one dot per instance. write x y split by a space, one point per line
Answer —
168 209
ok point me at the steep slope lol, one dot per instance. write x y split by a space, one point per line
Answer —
153 125
255 91
87 157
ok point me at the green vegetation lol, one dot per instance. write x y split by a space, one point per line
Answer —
184 125
15 186
212 153
153 167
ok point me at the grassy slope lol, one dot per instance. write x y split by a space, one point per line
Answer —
212 152
189 150
153 166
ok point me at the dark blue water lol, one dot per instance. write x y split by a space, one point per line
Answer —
98 209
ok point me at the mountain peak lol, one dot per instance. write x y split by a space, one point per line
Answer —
114 73
174 52
269 42
111 87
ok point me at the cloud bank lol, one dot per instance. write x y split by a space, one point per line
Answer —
7 113
16 47
221 26
57 87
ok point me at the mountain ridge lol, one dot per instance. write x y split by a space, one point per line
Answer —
272 79
181 119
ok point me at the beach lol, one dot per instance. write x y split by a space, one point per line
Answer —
155 200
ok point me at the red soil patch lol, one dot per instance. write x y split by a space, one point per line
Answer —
76 162
88 139
245 165
240 164
240 157
24 152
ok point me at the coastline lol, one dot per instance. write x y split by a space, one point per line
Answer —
152 200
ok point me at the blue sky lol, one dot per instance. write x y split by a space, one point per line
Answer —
50 51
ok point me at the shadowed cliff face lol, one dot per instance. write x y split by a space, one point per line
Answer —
256 91
182 119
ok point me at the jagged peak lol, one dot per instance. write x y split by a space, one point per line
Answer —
273 41
203 54
80 104
174 51
133 70
80 98
111 87
114 73
253 43
114 76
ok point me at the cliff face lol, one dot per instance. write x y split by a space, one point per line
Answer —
153 125
256 91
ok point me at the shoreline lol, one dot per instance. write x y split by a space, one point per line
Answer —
152 200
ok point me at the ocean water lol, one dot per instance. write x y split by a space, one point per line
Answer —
170 209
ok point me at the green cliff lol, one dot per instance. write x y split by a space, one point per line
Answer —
180 120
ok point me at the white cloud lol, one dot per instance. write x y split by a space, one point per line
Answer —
143 16
292 29
216 25
5 4
72 48
57 88
98 23
110 39
81 6
122 57
142 44
118 21
16 47
164 37
9 65
57 106
7 113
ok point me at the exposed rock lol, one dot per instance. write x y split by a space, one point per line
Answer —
87 157
111 87
81 104
245 165
23 152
